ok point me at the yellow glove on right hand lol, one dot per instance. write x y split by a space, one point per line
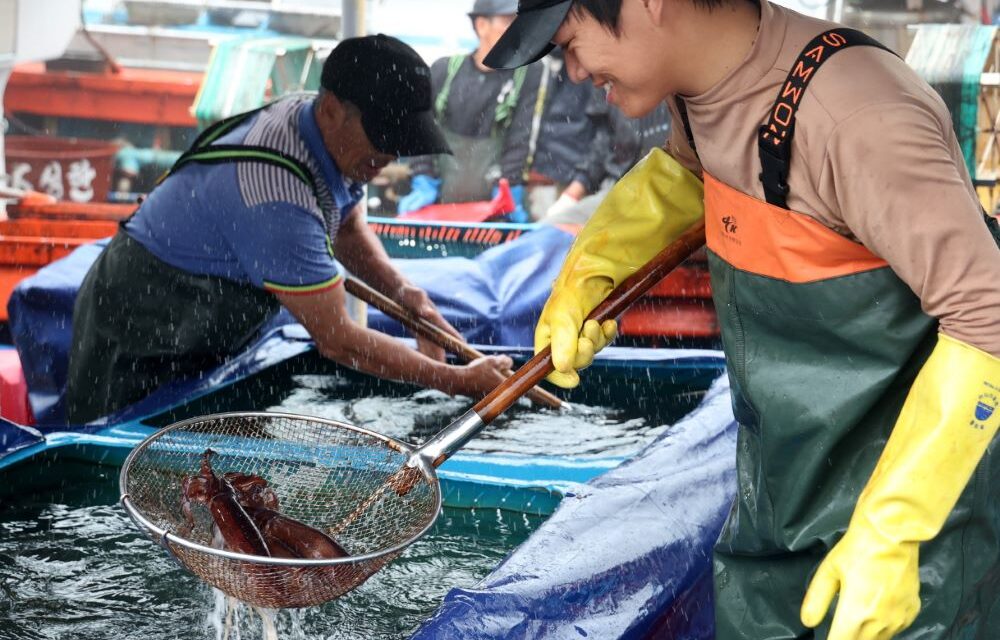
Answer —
647 209
944 428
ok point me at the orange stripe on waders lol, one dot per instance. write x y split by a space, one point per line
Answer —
754 236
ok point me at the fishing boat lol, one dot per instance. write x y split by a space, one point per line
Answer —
620 533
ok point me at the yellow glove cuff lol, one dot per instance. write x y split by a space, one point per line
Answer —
652 204
948 420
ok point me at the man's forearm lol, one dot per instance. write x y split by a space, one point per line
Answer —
379 355
360 250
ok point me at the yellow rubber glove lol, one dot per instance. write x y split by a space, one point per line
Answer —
646 210
948 420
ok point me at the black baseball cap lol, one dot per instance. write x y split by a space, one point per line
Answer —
529 38
391 84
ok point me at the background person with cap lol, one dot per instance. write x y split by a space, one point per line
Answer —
486 116
857 283
248 220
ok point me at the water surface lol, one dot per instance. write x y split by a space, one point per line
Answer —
73 566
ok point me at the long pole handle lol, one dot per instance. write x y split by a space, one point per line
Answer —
633 287
427 329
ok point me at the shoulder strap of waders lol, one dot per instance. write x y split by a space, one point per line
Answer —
507 101
441 102
682 111
774 138
550 68
204 152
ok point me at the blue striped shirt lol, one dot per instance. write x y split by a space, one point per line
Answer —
249 221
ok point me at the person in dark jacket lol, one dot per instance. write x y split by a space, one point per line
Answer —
618 143
561 135
486 116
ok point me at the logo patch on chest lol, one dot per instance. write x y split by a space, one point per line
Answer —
730 227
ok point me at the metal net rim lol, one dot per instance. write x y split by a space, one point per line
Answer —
164 536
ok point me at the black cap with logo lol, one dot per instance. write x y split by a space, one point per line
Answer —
529 38
391 85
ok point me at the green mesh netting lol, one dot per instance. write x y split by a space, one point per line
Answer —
244 73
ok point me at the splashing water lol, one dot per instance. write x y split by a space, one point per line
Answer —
72 565
230 615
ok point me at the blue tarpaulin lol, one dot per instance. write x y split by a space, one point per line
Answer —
41 315
495 298
14 437
626 556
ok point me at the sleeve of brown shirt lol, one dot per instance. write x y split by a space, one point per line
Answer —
901 193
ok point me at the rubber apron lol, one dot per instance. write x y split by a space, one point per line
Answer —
469 174
822 343
139 322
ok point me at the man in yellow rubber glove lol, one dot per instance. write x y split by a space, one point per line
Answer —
857 284
650 206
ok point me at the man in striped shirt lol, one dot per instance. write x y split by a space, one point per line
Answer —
249 220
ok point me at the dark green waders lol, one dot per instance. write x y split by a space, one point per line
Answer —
139 322
820 358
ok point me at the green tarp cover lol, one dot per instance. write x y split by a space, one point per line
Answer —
244 73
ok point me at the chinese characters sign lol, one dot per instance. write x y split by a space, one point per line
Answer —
72 180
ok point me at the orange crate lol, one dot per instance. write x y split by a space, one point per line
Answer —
28 245
72 211
686 281
40 228
670 318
